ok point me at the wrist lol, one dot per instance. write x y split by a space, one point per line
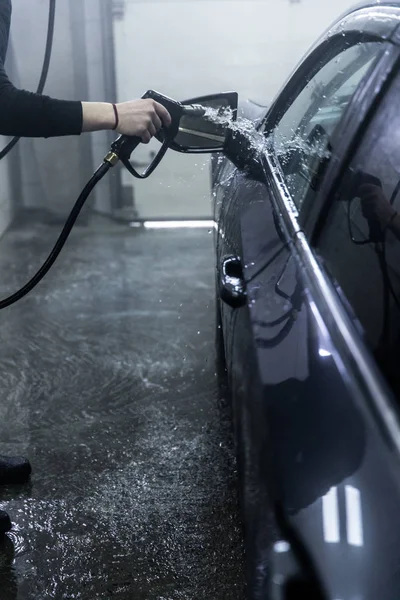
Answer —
116 116
107 119
98 116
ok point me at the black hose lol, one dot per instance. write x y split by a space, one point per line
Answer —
98 175
45 69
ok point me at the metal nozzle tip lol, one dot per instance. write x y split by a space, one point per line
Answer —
194 110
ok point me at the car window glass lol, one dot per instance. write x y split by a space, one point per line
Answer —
360 243
301 139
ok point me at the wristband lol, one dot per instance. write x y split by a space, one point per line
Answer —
116 117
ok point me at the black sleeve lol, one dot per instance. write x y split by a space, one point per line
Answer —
26 114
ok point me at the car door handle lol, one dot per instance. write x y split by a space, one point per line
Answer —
232 288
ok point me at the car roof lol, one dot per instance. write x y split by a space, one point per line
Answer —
382 20
373 5
377 3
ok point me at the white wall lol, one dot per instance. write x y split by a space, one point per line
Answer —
96 49
185 48
46 164
5 192
6 197
76 73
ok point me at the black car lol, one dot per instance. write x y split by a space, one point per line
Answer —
306 200
308 273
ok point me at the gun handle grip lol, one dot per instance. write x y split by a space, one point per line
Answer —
124 145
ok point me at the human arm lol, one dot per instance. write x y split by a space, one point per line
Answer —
26 114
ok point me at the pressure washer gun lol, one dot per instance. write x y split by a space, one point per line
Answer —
123 146
122 149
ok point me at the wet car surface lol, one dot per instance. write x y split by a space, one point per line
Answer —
307 247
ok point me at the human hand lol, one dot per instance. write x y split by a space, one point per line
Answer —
142 118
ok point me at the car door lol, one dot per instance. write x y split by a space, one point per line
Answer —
289 394
356 245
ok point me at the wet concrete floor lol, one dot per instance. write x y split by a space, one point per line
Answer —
107 383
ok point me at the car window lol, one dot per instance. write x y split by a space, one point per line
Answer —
360 241
301 139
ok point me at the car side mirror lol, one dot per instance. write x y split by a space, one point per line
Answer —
202 134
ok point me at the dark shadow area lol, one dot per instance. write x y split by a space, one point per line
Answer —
8 577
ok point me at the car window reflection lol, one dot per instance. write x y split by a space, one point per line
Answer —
301 139
360 242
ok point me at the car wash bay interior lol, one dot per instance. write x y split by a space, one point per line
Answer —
108 373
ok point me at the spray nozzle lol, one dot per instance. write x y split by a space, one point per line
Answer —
194 110
206 135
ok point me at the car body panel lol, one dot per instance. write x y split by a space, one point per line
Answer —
336 462
317 430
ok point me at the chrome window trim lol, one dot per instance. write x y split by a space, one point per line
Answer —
281 198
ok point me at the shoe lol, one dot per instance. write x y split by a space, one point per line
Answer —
5 522
14 470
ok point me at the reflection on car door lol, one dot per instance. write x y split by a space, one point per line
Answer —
288 395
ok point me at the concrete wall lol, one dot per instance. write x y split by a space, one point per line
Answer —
55 170
185 48
6 205
46 164
101 86
9 195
